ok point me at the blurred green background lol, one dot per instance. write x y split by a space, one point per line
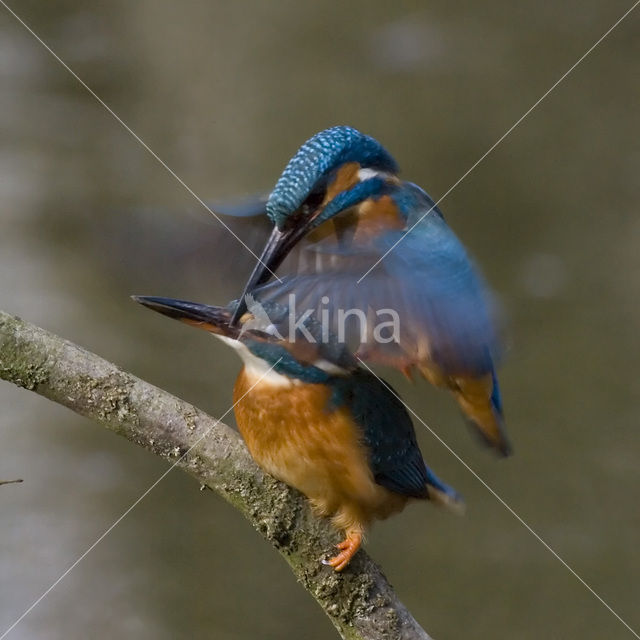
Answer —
224 93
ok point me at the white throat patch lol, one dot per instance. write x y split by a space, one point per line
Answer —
258 370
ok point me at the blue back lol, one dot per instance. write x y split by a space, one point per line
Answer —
387 431
318 156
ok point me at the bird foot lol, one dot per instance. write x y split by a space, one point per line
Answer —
348 548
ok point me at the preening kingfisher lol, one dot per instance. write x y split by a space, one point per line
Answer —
350 236
315 419
367 240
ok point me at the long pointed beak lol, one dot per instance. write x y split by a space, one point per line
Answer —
276 250
213 319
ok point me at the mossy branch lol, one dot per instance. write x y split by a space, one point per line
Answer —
360 602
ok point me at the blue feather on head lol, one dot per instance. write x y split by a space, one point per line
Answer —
318 156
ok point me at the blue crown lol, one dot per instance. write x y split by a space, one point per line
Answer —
316 157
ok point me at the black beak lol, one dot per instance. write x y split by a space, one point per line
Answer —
276 250
213 319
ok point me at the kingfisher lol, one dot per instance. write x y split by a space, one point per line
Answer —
314 418
349 234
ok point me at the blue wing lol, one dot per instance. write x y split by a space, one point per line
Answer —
443 310
395 458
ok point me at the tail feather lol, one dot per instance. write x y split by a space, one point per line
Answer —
443 494
481 404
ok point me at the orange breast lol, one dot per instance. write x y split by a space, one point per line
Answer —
291 433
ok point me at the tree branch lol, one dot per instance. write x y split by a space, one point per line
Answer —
360 602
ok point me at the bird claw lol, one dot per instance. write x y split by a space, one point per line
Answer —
348 547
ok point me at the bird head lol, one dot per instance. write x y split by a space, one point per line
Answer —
328 163
333 171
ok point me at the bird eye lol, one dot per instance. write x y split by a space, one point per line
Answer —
313 201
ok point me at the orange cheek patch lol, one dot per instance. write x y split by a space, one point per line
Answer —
346 177
378 216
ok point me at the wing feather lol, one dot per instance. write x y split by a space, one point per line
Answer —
443 307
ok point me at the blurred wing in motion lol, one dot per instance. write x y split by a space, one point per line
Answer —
246 207
246 218
427 281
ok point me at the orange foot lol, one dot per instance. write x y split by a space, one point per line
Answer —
348 548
